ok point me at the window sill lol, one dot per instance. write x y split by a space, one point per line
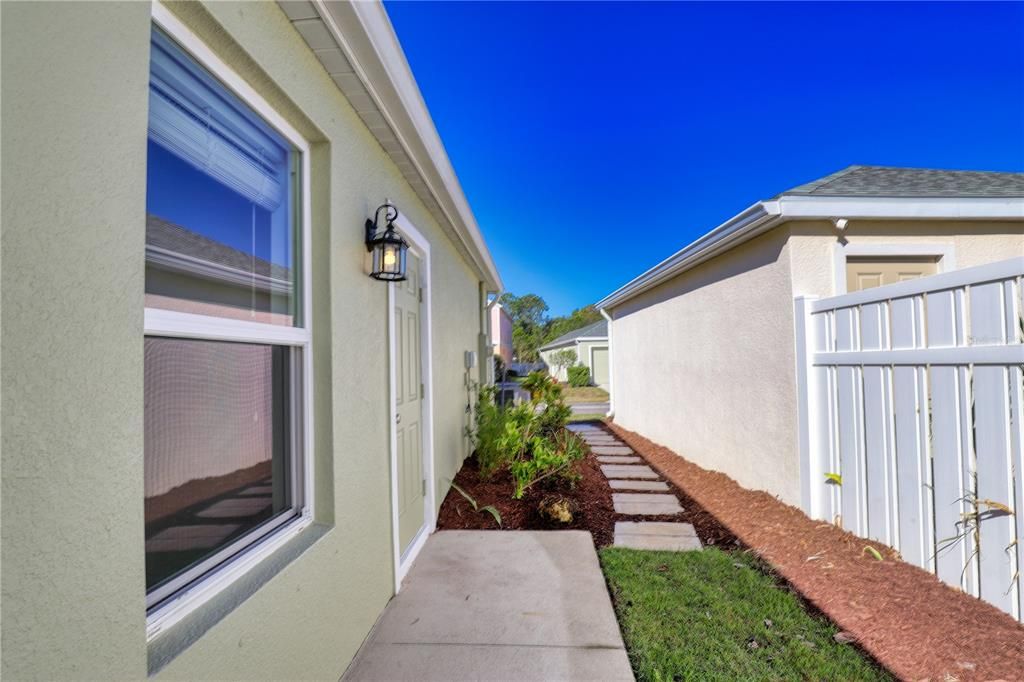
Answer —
174 627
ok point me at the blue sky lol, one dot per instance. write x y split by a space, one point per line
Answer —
595 139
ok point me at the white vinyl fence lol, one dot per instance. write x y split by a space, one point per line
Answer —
911 422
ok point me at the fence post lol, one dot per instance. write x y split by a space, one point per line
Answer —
807 399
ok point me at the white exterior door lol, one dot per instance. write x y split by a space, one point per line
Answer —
409 393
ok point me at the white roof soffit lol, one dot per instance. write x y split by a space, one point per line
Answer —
358 47
765 215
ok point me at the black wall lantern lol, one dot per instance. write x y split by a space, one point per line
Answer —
387 248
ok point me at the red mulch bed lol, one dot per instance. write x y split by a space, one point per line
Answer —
910 622
591 494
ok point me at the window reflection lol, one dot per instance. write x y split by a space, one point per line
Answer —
217 447
220 237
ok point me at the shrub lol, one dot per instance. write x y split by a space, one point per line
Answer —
538 384
579 376
499 368
490 425
549 457
529 438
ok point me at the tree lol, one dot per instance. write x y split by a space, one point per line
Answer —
532 328
581 317
563 358
529 319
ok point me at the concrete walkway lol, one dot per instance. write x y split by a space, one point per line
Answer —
490 605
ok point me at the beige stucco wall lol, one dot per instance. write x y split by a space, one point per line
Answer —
813 244
74 139
703 364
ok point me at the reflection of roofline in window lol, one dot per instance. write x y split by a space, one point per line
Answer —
172 261
174 248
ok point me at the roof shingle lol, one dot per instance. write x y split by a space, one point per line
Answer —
885 181
598 329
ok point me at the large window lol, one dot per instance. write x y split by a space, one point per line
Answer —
227 328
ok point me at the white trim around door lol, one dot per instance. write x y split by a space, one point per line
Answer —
403 559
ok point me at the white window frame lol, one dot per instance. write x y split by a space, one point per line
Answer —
944 255
168 323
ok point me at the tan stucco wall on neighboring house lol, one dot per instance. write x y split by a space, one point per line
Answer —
703 364
75 88
812 244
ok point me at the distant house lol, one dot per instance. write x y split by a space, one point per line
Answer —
590 344
501 333
703 344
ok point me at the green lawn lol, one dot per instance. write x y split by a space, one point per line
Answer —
585 418
584 394
713 615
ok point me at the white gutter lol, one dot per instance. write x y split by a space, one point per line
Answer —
754 220
611 375
765 215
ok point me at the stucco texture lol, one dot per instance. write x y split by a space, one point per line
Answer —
74 137
703 364
813 245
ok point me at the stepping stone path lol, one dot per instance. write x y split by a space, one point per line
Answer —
619 459
638 492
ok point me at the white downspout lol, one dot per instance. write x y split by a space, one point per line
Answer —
611 368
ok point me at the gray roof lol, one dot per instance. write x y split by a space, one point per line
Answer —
886 181
598 329
173 237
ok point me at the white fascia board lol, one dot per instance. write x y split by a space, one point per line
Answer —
765 215
756 219
366 37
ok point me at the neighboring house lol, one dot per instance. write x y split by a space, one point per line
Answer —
703 343
590 344
223 443
501 333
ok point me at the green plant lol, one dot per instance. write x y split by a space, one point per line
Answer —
490 425
579 376
490 509
499 368
529 438
563 358
538 384
549 457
